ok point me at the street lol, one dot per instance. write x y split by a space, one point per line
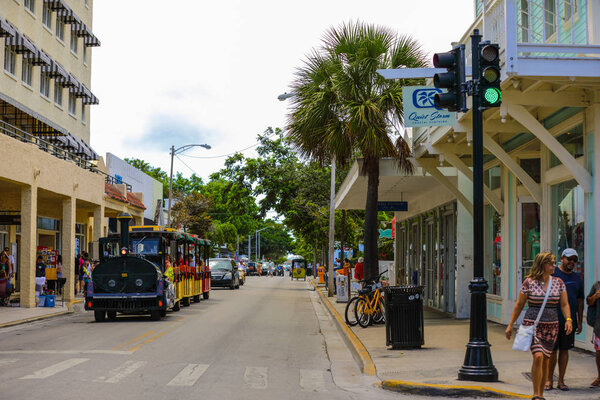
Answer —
263 341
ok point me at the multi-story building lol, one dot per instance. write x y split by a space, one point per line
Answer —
541 171
54 191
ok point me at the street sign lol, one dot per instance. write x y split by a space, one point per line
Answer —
419 109
392 206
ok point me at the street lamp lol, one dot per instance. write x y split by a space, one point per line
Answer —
175 151
257 233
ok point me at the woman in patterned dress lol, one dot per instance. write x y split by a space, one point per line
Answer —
533 291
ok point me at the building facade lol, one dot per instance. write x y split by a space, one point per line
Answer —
541 169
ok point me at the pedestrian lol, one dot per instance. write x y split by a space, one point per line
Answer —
358 269
80 264
40 268
593 301
4 262
575 292
11 262
533 290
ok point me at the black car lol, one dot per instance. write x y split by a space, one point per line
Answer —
224 273
251 268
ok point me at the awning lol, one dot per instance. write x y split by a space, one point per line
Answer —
71 82
90 99
78 90
39 58
81 30
6 29
21 44
90 40
68 16
56 5
56 71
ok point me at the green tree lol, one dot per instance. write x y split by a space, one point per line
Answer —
342 107
190 213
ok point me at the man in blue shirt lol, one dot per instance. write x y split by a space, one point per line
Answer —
564 342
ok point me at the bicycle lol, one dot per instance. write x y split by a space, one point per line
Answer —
368 306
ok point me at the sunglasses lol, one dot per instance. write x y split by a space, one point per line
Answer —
572 258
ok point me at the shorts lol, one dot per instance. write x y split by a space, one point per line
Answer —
80 277
564 341
596 341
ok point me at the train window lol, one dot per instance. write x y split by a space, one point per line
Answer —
145 245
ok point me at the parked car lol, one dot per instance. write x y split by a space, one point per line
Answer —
251 268
224 273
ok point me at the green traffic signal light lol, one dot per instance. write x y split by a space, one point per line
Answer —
492 95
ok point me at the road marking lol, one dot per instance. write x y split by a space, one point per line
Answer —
8 361
150 339
133 340
121 372
256 377
189 375
113 352
56 368
312 380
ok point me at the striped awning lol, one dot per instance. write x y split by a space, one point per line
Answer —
20 43
39 58
68 16
56 71
6 29
56 5
90 39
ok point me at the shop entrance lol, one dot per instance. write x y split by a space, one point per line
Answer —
430 260
448 261
528 223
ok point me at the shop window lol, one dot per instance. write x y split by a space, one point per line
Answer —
58 94
572 140
80 228
569 220
492 177
30 5
45 85
10 60
74 41
60 28
493 250
533 168
27 72
49 224
72 104
47 16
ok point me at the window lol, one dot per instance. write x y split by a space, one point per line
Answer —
570 9
74 39
45 85
60 28
491 177
10 60
27 71
30 5
83 112
85 55
549 18
533 168
72 104
568 222
47 16
58 93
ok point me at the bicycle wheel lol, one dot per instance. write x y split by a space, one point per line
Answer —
362 314
350 313
379 315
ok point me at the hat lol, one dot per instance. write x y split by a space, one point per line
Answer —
360 259
569 252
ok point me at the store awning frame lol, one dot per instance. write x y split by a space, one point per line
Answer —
56 5
6 29
21 44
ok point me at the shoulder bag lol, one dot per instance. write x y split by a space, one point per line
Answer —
525 334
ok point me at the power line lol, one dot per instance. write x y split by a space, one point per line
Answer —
229 154
194 172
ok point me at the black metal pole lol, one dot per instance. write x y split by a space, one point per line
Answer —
478 365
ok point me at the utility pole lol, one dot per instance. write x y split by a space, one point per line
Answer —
330 273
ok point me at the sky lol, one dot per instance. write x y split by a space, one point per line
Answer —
178 72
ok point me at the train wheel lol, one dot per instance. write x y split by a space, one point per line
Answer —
112 315
205 295
186 301
177 306
197 298
163 313
99 315
155 315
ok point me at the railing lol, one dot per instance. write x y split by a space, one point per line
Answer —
114 181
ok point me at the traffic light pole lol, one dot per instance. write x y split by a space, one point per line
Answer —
478 365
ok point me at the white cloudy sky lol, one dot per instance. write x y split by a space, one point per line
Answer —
175 72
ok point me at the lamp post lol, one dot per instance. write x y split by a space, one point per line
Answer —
257 233
175 151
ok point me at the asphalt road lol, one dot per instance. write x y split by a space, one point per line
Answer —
263 341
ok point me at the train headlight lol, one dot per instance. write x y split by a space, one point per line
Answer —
138 282
112 283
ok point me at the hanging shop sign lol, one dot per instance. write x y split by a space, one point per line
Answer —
419 110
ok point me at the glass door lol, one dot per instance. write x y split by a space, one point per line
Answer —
529 244
429 258
448 261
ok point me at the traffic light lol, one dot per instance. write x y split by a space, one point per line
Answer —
453 80
490 94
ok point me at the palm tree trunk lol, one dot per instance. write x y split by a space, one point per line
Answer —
371 266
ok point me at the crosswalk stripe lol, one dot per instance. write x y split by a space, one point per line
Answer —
56 368
122 371
256 377
7 361
189 375
312 380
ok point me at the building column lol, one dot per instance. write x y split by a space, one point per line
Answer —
97 230
68 246
28 245
464 247
596 196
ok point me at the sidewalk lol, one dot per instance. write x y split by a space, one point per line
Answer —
437 363
10 316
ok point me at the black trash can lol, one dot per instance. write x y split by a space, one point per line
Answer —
404 317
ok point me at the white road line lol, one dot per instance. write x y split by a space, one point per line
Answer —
121 372
113 352
7 361
312 380
189 375
56 368
256 377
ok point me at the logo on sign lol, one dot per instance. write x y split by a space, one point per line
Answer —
420 110
423 98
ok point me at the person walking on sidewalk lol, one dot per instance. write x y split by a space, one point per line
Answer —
593 300
533 290
564 342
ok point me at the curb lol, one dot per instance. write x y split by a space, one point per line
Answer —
429 389
357 348
45 316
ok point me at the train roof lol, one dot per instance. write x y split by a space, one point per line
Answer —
161 231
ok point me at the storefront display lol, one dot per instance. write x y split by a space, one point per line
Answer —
568 220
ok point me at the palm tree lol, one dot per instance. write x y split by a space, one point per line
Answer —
342 107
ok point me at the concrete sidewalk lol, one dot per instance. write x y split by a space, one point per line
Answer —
10 316
435 366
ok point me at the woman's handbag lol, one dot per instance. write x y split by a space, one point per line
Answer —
525 334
